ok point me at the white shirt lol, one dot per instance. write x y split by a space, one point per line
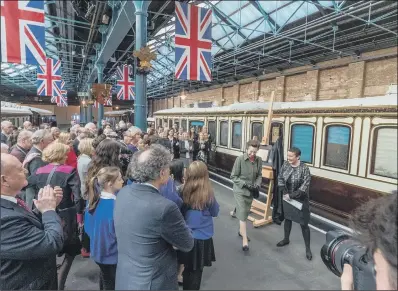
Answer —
9 198
107 195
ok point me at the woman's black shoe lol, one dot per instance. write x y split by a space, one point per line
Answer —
245 248
282 243
248 239
308 254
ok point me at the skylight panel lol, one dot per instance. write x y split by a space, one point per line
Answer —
8 71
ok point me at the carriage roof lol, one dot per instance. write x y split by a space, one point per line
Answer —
375 102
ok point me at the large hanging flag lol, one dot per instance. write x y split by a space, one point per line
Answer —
125 86
49 78
193 42
63 97
23 32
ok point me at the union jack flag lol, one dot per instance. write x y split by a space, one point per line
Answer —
193 42
125 86
63 98
23 32
49 78
108 102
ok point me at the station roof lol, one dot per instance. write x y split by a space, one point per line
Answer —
250 38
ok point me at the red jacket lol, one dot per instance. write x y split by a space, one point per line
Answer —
72 158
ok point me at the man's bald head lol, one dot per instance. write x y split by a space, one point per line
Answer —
13 177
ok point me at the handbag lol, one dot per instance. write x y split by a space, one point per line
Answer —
68 217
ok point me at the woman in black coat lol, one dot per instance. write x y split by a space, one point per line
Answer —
294 182
57 173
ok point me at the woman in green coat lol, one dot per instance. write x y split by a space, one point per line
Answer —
246 176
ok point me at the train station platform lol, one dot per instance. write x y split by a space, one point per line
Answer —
263 267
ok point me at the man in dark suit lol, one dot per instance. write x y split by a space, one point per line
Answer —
149 227
29 241
40 140
6 131
24 144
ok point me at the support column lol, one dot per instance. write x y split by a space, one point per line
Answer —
140 104
89 107
100 71
82 113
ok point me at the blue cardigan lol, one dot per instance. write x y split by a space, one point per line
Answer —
168 191
100 228
201 221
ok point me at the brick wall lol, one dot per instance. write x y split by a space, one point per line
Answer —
334 79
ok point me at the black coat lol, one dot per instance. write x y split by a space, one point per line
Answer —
277 162
33 164
174 148
67 178
29 244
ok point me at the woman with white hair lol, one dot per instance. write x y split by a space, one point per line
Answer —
135 134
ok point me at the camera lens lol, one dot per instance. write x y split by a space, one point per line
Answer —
338 250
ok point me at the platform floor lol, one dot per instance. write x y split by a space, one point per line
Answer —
264 267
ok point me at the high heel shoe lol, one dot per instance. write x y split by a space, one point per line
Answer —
308 254
245 248
283 243
248 239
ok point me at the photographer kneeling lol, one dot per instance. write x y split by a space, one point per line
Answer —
376 226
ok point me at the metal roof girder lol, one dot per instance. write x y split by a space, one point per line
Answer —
350 14
226 18
297 30
282 26
267 17
115 34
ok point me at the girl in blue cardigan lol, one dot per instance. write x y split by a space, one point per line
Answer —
99 223
199 208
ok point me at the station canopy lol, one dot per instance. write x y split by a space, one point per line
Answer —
249 39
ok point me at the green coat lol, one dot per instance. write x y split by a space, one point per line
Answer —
247 172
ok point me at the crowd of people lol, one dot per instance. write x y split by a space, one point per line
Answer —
139 204
64 185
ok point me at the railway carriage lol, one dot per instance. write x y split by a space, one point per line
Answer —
18 114
350 145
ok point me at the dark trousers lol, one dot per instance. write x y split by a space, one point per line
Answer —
191 279
305 229
107 276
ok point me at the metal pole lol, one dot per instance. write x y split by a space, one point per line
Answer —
89 107
140 104
100 72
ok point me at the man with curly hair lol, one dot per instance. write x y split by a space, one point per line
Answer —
376 225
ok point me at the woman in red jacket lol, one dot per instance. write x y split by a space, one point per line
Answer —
71 159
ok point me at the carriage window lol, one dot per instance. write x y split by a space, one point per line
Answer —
170 123
184 124
224 130
177 123
385 152
257 130
303 138
237 135
160 122
211 127
337 146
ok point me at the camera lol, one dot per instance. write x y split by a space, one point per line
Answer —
341 248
